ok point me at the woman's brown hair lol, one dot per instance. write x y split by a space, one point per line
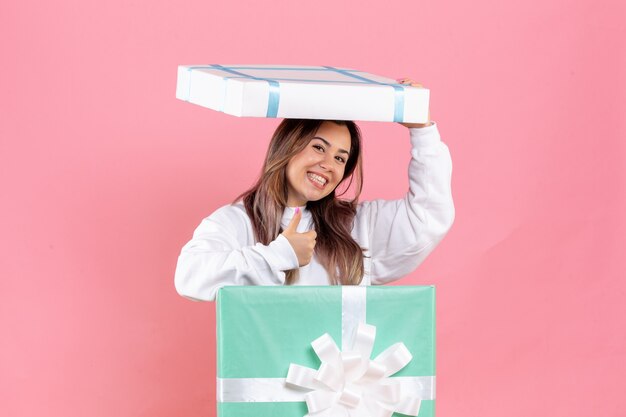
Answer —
333 218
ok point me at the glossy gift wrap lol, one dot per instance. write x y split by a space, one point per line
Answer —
295 351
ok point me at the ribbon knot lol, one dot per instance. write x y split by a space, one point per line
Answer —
351 384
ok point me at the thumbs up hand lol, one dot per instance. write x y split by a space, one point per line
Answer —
303 244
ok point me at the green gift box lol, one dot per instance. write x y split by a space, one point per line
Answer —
265 334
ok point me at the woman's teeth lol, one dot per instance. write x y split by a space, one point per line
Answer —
317 179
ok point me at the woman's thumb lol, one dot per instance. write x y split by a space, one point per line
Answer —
295 220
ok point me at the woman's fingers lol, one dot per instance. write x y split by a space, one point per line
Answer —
408 81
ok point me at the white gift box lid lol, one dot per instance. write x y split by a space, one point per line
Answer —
301 92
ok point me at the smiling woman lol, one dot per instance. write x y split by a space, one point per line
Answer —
291 227
316 170
306 161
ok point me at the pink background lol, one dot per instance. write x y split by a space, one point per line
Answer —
104 175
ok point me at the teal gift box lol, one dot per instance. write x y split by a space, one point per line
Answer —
267 334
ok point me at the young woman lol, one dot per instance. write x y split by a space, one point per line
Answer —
293 228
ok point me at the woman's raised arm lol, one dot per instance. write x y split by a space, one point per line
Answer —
400 234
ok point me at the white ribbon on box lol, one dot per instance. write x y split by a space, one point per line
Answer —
350 384
347 383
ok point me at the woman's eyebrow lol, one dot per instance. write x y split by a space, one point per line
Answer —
330 146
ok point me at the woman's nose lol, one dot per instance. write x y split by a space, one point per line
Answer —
325 163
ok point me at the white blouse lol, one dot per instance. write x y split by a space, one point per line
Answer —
397 235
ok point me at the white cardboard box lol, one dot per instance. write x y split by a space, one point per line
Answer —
301 92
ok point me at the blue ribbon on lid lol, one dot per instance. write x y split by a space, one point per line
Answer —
274 85
274 92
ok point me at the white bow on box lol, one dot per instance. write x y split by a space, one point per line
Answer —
351 384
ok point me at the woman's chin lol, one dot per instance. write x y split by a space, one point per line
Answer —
318 197
313 194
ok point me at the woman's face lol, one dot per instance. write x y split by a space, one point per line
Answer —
315 172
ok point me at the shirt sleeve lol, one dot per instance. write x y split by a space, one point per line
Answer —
402 233
222 252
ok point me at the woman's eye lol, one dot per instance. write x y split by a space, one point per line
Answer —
340 159
319 147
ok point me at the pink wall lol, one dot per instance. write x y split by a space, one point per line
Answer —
104 175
